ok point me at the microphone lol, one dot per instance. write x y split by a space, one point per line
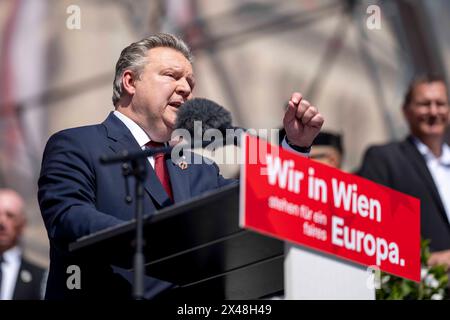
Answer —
199 115
196 116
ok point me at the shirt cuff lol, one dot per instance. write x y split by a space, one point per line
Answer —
286 146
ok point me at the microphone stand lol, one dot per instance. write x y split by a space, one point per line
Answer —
138 169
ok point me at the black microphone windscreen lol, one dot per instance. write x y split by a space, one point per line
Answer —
211 115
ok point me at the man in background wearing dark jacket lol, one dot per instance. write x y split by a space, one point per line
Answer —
420 165
19 278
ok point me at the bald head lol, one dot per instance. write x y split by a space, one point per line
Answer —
12 218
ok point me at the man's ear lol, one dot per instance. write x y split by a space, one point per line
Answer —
405 111
128 82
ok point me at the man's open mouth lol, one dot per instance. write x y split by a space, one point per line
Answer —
175 104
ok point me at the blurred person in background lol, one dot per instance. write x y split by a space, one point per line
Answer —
420 165
19 278
78 196
327 149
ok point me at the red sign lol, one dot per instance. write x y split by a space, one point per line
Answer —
290 197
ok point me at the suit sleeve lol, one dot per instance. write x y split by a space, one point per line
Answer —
67 191
374 167
221 181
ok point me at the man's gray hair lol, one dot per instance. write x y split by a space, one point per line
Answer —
134 57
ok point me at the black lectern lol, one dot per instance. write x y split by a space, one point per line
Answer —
199 246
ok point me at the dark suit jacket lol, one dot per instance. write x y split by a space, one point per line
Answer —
400 166
78 196
29 282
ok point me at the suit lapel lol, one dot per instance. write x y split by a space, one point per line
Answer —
120 138
23 282
154 187
421 167
179 180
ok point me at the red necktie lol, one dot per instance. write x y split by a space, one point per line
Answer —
161 168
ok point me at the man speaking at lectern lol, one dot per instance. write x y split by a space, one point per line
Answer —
78 196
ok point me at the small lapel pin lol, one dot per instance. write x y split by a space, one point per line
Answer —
25 276
183 165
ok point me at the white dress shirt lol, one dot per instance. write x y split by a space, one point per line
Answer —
10 270
138 133
440 171
286 146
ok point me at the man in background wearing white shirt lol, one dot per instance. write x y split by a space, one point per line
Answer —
420 165
19 279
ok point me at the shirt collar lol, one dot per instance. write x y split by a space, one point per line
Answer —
445 158
12 254
137 132
426 152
